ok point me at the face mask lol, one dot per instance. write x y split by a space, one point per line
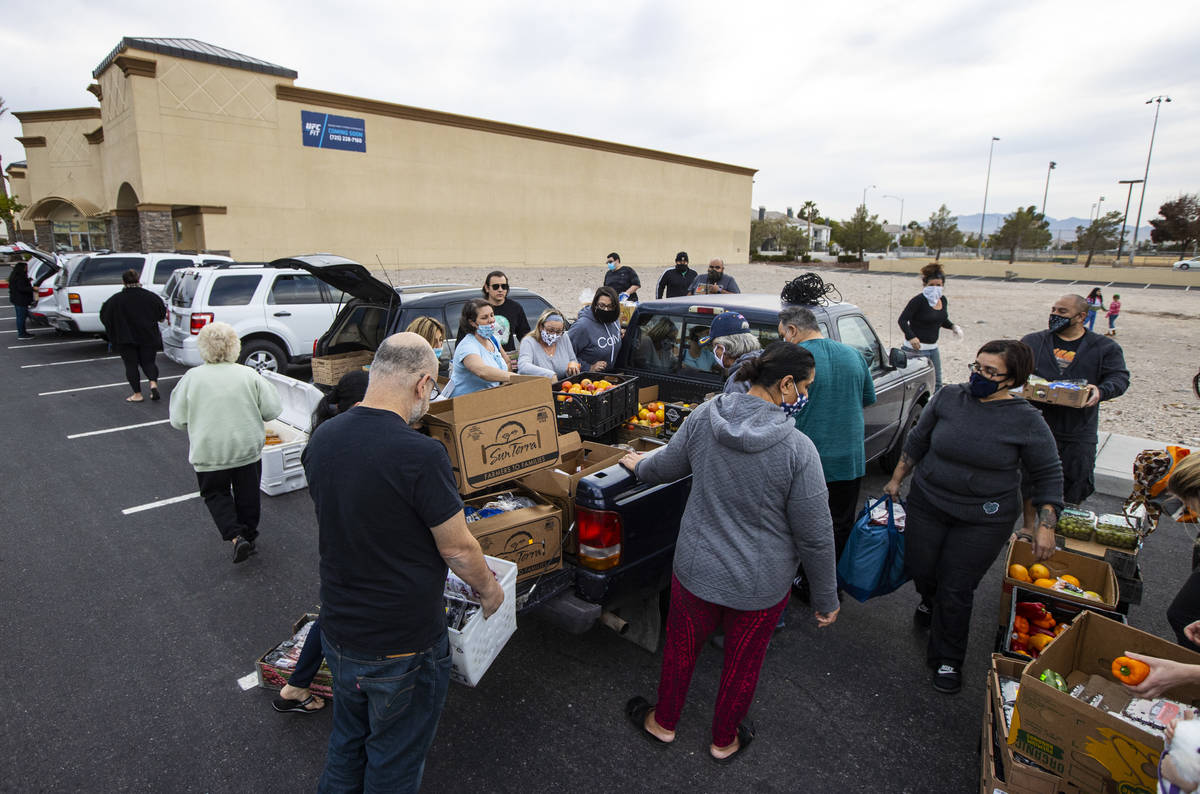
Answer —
612 265
932 294
719 352
791 409
714 276
982 387
486 330
1058 322
607 315
437 352
681 266
550 338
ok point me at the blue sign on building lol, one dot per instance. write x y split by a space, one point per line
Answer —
325 131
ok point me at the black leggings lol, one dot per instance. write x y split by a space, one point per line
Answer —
135 355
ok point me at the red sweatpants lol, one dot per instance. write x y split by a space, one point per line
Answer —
689 623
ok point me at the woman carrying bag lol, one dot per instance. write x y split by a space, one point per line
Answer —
131 319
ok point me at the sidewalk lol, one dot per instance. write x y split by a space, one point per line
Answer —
1114 462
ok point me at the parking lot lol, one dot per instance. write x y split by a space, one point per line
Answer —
127 632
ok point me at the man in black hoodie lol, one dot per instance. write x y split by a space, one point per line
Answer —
1068 351
675 282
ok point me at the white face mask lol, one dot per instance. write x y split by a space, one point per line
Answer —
932 294
719 352
550 338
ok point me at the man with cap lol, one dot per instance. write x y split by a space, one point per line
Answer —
675 282
732 343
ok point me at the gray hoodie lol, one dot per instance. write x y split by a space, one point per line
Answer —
593 340
758 505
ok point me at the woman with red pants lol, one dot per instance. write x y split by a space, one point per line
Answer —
758 507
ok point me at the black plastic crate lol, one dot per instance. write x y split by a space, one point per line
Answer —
593 415
1124 564
1063 611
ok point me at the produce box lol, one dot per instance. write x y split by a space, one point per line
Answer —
576 460
580 407
1061 610
476 645
1087 745
495 435
651 426
675 413
275 667
1076 523
530 537
1094 575
328 370
1071 393
644 444
1010 772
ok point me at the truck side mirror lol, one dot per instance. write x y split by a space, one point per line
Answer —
897 358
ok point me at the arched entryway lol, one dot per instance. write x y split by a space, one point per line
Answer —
126 227
68 224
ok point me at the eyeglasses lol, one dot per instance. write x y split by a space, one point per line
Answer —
988 372
605 306
434 391
497 286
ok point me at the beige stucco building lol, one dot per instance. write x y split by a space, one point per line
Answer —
194 147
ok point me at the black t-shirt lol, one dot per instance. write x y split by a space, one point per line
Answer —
518 323
378 485
621 279
673 284
1064 351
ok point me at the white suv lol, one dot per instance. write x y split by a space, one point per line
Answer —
97 278
277 311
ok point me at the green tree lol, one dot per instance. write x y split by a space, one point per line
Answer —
1101 233
861 233
1025 228
764 231
808 212
942 231
1179 221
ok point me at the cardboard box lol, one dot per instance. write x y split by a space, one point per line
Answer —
1087 746
675 413
530 537
496 435
1010 772
627 432
1093 574
1055 394
577 459
272 677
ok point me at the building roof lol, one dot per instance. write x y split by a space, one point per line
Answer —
195 50
17 164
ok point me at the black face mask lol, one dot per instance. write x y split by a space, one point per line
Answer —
714 276
1058 323
681 266
606 315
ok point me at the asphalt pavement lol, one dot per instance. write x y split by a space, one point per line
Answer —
124 635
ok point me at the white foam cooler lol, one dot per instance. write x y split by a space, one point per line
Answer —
281 468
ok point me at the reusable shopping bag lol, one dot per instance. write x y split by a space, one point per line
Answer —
872 563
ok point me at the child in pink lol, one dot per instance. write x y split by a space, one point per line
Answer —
1114 310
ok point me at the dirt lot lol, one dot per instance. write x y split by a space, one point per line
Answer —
1159 329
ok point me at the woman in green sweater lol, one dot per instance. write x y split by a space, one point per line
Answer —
222 405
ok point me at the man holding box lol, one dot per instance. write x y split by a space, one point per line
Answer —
387 533
1066 350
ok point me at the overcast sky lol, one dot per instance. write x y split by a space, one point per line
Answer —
823 100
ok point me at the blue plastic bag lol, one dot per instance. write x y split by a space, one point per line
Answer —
872 563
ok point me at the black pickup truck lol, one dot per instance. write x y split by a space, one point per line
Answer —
626 529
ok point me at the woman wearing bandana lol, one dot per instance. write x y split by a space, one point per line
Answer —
546 350
924 317
966 455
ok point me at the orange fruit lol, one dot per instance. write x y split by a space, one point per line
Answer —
1046 583
1066 577
585 383
1020 572
1039 571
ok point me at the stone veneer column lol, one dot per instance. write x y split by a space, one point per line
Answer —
45 235
27 236
126 233
156 226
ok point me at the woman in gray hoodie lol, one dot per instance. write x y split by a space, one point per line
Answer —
757 508
596 334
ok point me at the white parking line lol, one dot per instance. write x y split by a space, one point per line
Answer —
101 386
27 330
55 344
160 503
73 361
118 429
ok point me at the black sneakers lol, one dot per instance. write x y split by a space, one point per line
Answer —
242 549
923 616
947 679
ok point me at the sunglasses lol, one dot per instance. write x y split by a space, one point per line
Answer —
497 286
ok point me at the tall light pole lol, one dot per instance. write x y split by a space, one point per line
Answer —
1046 192
1128 196
897 198
986 185
1157 100
862 231
1098 203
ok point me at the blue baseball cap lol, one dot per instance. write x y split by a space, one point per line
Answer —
726 324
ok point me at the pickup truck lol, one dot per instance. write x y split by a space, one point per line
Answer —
626 529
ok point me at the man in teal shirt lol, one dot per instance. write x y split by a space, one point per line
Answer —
833 417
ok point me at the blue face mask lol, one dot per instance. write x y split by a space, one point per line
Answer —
486 330
791 409
981 387
612 265
437 352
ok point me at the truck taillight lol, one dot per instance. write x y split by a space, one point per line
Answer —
76 304
199 320
599 538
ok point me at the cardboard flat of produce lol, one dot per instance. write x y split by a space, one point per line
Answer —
1056 393
1094 575
530 537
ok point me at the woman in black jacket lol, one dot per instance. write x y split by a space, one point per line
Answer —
20 295
131 319
924 317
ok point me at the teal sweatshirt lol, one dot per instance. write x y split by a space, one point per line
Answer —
223 407
833 418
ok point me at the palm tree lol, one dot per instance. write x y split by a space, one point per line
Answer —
808 210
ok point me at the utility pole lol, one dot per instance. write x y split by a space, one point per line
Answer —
1046 192
1121 241
862 231
986 185
1158 100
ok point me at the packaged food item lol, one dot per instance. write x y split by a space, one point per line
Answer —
502 503
1076 523
272 438
287 653
1115 530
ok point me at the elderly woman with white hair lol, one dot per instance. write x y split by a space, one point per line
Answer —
223 405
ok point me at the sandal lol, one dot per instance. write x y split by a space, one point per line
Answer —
635 711
745 735
285 705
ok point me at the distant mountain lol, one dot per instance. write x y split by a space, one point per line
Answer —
1062 229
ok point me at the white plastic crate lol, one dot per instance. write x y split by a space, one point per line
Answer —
477 645
282 471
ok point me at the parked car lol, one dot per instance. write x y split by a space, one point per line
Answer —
277 310
96 278
1187 264
376 309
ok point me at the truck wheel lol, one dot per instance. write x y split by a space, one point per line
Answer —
889 459
263 356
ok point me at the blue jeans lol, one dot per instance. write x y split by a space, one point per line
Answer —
385 714
935 358
1090 322
22 313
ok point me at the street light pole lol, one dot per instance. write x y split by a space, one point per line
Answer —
901 220
1158 100
986 185
1098 203
1046 192
1128 196
862 230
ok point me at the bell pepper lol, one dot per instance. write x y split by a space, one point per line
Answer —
1018 641
1054 679
1021 624
1129 671
1038 642
1047 622
1060 628
1032 610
